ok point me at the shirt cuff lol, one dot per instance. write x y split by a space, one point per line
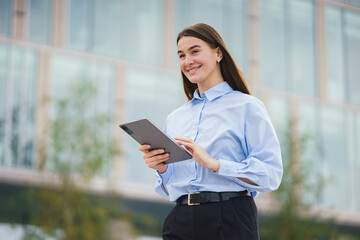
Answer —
231 169
227 168
163 177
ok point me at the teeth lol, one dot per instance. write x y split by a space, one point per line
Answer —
193 70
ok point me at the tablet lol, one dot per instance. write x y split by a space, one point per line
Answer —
146 132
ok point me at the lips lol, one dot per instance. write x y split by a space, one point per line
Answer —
193 70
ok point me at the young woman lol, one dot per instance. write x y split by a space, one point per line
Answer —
235 149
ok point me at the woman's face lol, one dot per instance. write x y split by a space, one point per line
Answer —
199 62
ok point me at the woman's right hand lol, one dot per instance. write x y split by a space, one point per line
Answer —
155 159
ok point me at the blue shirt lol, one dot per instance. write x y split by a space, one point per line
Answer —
233 127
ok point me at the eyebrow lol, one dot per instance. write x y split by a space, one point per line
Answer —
190 48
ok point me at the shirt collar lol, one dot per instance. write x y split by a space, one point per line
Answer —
214 92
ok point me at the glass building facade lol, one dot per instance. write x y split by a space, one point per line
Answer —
301 57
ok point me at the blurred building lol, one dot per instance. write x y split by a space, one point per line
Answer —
301 57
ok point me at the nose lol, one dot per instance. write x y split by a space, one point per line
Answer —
188 60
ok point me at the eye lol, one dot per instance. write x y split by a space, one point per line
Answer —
181 56
195 51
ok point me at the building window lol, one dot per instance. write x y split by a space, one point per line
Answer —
287 46
355 164
352 38
130 30
336 87
149 95
40 20
336 158
332 135
350 2
17 105
343 55
65 72
5 17
229 18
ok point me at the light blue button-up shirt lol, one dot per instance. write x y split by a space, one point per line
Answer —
233 127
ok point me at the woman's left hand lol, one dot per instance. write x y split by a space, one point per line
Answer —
199 154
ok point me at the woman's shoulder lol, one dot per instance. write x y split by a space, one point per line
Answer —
245 100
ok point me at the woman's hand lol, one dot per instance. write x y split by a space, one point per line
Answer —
199 154
155 159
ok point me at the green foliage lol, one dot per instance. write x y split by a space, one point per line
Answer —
300 188
78 139
78 144
69 213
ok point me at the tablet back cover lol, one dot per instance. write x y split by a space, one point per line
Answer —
145 132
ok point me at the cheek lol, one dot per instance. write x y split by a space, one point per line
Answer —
204 60
182 65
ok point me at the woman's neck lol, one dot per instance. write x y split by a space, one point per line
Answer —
204 86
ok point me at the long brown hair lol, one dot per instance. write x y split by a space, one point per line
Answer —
230 72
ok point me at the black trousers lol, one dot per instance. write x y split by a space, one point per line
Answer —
235 219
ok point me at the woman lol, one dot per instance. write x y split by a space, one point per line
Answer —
235 149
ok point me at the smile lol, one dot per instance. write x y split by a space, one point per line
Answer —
193 70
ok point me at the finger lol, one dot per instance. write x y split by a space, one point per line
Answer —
158 158
185 139
158 162
144 148
189 146
154 166
185 143
152 153
151 162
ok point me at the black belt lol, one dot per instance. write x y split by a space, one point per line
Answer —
198 198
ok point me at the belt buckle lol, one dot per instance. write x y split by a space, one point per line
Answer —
189 198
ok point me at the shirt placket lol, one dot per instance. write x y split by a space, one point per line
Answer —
196 129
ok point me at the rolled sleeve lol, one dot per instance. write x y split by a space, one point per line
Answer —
263 165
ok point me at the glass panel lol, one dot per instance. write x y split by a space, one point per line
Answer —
352 36
112 29
272 44
23 106
80 24
311 150
5 16
333 143
29 103
65 71
356 163
40 20
235 13
140 42
18 105
230 22
343 49
301 35
3 101
148 95
350 2
352 162
279 113
335 55
288 45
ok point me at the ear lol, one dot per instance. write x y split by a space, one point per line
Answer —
219 54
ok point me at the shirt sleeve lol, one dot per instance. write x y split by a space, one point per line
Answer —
263 164
161 180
